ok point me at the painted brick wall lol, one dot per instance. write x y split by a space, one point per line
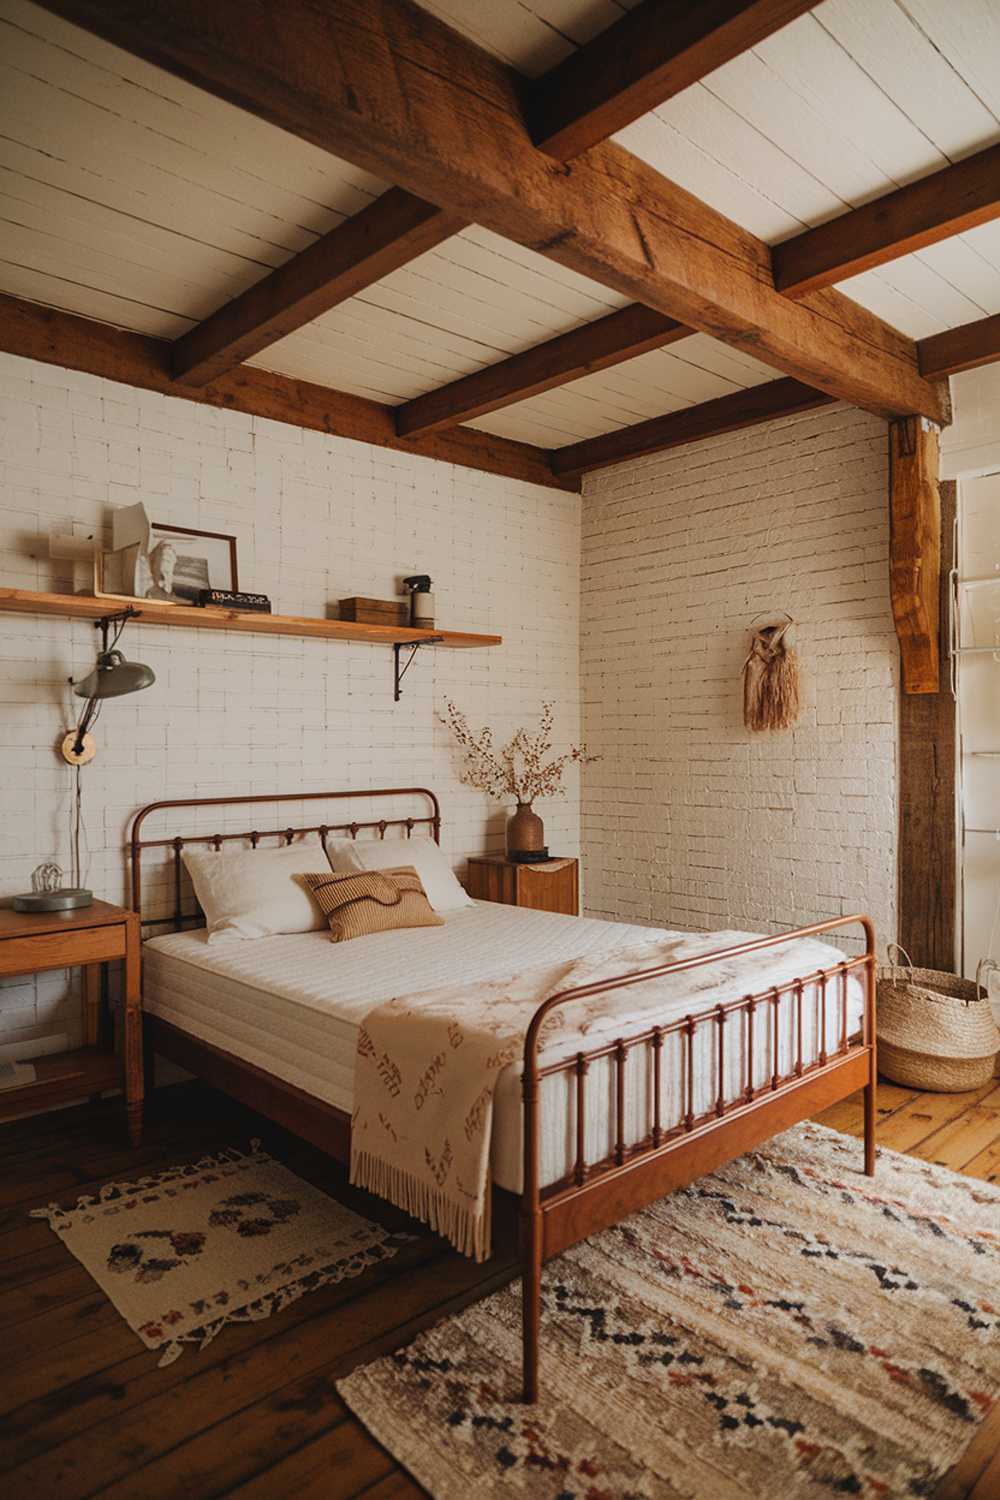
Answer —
689 820
317 519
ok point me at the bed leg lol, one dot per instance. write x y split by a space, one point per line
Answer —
531 1301
871 1038
870 1117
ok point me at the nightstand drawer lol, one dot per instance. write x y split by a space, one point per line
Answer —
548 887
61 950
551 885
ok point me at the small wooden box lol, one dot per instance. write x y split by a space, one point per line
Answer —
551 885
376 611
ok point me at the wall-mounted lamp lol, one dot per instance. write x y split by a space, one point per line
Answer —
112 677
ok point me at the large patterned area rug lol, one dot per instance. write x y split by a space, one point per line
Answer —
786 1327
231 1238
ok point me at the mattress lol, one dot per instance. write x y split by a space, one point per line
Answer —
292 1005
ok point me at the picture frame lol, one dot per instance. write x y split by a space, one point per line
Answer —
182 560
171 566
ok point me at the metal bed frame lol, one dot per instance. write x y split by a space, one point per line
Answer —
595 1194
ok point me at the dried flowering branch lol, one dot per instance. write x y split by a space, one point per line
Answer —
518 769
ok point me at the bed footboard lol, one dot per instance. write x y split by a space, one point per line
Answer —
597 1194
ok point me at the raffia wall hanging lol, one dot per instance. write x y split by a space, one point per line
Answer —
771 697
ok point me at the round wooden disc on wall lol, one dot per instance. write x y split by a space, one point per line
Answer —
84 756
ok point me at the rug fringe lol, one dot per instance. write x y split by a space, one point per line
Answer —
466 1228
282 1297
110 1191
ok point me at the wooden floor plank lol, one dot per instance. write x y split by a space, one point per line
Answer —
987 1486
29 1235
210 1462
986 1165
399 1486
976 1468
848 1115
88 1315
22 1303
44 1373
337 1464
845 1116
33 1264
906 1128
117 1383
976 1129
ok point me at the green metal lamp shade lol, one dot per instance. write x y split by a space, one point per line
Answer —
113 677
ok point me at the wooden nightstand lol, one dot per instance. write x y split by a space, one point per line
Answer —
31 942
553 885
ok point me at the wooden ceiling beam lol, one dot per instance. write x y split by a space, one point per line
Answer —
947 202
678 46
364 248
651 54
761 403
596 346
958 349
74 343
389 87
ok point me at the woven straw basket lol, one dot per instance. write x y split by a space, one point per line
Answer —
935 1031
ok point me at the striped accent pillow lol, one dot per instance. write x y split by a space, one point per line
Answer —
369 901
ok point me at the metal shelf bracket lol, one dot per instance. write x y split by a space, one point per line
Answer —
399 672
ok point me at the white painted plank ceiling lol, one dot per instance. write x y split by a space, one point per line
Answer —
128 196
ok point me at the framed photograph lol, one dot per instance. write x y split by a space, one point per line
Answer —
181 562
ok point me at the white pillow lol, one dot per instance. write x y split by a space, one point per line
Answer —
253 893
436 875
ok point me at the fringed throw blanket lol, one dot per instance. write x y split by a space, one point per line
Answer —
427 1066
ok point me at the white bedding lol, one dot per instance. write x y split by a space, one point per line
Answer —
292 1005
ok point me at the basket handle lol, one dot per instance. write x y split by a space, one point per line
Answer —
984 968
901 950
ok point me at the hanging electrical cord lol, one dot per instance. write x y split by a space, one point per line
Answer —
77 825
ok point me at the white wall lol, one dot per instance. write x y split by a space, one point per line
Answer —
970 453
317 519
971 445
979 719
690 821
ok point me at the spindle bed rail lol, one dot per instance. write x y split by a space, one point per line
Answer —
594 1194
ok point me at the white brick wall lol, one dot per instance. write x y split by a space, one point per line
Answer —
689 820
317 519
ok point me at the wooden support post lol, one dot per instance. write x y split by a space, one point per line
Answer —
927 775
915 549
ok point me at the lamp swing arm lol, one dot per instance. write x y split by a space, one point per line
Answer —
111 677
91 708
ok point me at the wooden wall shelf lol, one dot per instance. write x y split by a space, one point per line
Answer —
89 607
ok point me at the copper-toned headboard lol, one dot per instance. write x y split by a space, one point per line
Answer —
179 918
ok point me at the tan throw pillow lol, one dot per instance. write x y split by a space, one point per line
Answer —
371 901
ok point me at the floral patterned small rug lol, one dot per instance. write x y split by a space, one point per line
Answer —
231 1238
785 1327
